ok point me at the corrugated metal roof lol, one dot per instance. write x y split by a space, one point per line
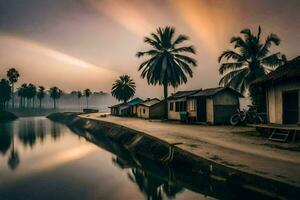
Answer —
214 91
135 101
181 94
285 72
118 105
150 102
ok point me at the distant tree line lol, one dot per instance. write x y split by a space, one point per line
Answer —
28 93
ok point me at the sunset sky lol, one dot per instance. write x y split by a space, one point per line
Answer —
78 44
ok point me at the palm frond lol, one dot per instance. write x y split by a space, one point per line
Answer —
273 60
188 49
271 39
230 66
187 59
231 55
180 39
151 52
153 43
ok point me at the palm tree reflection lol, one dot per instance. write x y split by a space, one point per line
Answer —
29 132
5 137
14 159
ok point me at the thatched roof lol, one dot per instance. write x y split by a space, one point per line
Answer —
287 72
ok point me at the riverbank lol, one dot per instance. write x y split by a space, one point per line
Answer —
282 176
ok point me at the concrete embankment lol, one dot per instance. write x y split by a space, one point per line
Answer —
7 116
152 148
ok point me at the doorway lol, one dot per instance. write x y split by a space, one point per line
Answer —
201 109
290 107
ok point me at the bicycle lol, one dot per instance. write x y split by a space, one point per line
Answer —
249 116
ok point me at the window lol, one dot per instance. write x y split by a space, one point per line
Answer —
180 106
144 110
172 106
192 105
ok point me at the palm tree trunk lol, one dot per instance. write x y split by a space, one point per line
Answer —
12 95
54 102
87 102
78 103
40 103
165 101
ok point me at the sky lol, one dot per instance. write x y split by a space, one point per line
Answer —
78 44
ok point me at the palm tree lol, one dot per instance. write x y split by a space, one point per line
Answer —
167 63
87 94
79 95
249 60
13 76
55 93
41 94
31 93
5 92
123 88
22 94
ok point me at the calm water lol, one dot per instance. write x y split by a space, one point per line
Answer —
40 159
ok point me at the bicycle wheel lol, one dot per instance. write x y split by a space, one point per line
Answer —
235 119
259 120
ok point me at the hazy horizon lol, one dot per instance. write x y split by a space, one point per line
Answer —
78 44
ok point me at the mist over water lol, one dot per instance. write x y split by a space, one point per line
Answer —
67 102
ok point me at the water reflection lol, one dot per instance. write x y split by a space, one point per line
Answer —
5 137
74 166
28 131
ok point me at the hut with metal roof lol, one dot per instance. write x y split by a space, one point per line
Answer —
151 109
179 103
132 106
283 93
215 105
126 109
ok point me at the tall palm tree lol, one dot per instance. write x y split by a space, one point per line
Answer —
31 93
13 76
87 94
167 63
55 93
41 93
123 88
5 93
250 59
79 95
22 95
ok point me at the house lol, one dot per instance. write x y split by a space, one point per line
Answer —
126 109
133 104
215 105
283 93
151 109
179 102
119 109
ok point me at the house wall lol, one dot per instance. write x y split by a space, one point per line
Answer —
226 98
156 111
274 101
225 105
173 114
210 110
140 112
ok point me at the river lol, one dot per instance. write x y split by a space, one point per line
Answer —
41 159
